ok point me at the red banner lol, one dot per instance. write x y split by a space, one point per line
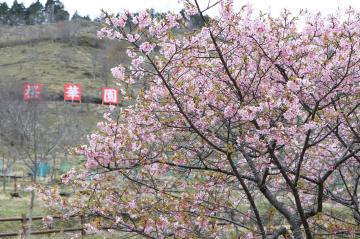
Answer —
32 91
110 96
72 92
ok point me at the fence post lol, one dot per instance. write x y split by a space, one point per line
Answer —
23 225
82 218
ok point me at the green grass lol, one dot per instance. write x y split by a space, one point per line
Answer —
17 206
50 63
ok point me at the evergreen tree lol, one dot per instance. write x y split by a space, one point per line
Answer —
55 11
78 17
196 20
4 13
35 13
155 14
17 13
49 3
87 18
99 19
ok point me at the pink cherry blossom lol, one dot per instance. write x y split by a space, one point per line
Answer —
118 72
247 126
147 47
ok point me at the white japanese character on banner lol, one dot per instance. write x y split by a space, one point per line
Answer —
32 91
110 96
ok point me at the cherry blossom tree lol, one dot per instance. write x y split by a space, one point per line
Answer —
247 128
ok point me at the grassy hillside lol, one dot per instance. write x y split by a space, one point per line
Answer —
58 53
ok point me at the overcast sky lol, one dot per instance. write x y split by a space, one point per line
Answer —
93 7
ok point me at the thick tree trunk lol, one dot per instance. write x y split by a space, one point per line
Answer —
297 232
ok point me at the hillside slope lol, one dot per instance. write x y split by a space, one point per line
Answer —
58 53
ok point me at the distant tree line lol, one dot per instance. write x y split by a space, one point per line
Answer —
54 11
36 13
194 21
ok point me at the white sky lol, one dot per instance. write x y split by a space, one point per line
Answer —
92 7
